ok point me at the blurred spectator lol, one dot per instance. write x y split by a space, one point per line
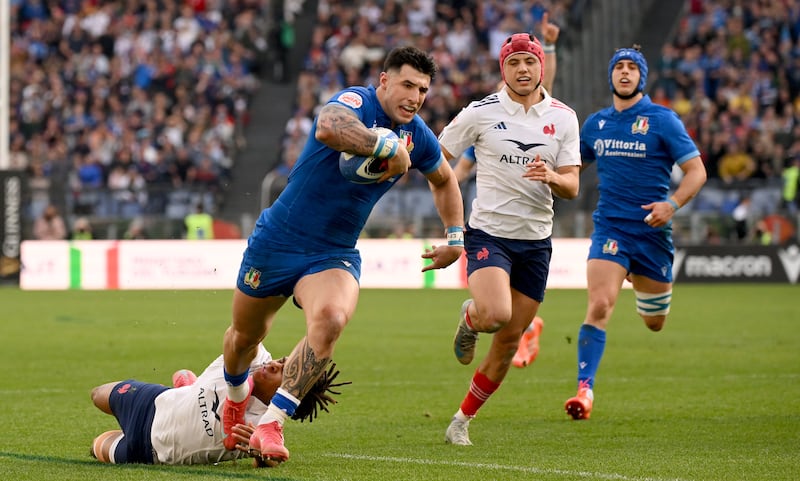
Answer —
82 229
402 231
135 230
791 184
17 156
299 126
199 224
736 164
50 225
39 185
741 219
763 234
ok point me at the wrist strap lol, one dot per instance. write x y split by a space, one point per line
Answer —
455 236
549 48
385 147
674 204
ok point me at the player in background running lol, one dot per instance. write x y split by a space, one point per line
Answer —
634 144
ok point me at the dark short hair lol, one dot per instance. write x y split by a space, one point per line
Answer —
413 57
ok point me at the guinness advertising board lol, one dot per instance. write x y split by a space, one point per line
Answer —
12 184
737 264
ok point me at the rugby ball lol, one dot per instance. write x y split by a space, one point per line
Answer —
361 169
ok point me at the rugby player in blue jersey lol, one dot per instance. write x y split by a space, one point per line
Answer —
635 144
304 244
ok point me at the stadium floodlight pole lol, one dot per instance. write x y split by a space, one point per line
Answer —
5 67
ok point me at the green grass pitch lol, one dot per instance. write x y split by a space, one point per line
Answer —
714 396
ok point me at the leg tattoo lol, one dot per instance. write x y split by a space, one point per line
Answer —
302 369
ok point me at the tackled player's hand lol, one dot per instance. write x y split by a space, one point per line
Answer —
241 433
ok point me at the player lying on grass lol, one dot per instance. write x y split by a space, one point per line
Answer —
182 424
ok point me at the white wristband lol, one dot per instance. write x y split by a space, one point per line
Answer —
455 236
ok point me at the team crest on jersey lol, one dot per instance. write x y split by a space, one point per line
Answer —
351 99
405 136
253 278
610 247
549 130
641 126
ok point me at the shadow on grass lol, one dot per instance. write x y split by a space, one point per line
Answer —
175 470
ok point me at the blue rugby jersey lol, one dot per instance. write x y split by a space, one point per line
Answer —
319 208
635 150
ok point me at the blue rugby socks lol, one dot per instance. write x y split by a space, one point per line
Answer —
591 343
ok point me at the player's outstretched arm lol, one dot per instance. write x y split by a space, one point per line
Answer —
449 204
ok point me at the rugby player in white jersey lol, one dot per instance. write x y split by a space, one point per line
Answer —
182 424
527 151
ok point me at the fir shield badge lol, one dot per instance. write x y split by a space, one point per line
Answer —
610 247
253 278
641 126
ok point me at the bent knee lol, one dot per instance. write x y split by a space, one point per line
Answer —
329 323
492 320
600 308
243 340
654 323
100 396
97 396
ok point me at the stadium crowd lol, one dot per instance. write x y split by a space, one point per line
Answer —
732 72
137 107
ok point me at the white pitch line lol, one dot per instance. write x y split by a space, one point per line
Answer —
501 467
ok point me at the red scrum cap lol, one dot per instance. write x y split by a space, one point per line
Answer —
521 43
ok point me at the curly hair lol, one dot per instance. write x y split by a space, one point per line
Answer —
319 396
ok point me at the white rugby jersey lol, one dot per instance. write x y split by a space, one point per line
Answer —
187 427
506 139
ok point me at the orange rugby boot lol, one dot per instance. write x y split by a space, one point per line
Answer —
580 406
529 344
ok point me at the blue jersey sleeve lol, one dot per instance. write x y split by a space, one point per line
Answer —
469 154
678 143
359 100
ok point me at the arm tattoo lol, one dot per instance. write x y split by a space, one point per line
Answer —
348 132
302 369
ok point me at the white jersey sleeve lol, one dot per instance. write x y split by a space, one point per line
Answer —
187 427
461 132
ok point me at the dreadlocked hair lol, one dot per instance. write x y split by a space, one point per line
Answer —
319 396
